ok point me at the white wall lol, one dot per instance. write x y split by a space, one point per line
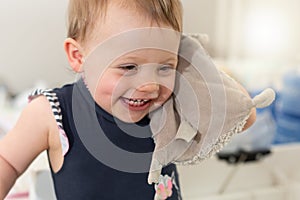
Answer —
31 39
245 28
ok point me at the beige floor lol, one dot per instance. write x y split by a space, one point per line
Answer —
276 177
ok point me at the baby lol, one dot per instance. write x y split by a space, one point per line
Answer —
96 130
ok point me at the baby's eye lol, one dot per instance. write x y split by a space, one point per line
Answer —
129 69
166 69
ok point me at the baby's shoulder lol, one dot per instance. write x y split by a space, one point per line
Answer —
51 101
39 108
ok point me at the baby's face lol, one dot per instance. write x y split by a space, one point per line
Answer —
137 83
133 66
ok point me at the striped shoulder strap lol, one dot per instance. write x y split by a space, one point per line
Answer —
56 110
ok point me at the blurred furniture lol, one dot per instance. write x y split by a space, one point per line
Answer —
274 177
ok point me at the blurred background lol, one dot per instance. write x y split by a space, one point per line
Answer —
256 41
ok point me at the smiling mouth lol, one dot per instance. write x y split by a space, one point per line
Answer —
136 102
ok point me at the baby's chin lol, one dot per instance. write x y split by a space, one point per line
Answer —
128 116
132 119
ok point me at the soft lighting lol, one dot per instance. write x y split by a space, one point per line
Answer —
266 33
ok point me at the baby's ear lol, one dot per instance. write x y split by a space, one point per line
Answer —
74 54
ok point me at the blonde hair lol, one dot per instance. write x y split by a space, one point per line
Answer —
83 14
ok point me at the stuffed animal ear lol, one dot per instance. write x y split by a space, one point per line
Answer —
210 108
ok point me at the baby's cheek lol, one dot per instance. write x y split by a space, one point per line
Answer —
104 93
107 85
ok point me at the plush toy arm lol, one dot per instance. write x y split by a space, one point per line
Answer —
172 151
264 99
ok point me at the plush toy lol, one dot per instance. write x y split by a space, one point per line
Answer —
206 110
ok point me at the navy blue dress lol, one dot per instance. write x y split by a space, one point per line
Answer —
84 175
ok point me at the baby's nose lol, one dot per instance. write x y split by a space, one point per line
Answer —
149 87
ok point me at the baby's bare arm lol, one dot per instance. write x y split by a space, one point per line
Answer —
8 176
24 142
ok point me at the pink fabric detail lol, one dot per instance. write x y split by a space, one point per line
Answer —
31 97
64 141
21 195
164 188
170 185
